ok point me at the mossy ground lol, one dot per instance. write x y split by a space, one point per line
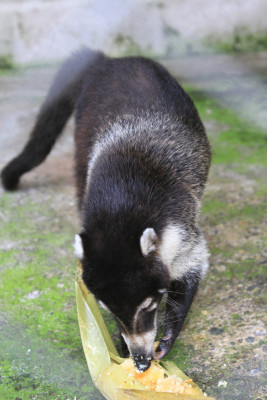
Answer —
224 335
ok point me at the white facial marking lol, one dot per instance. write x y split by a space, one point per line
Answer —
144 340
152 306
162 290
146 303
148 241
78 247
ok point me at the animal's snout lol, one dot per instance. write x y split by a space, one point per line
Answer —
141 362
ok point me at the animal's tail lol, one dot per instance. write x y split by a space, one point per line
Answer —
53 115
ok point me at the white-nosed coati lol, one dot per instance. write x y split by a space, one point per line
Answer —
142 160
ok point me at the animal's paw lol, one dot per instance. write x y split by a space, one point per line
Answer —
164 346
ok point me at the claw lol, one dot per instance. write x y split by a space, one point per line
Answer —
164 346
159 354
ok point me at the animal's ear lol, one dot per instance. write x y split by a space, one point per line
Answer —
81 244
78 247
148 241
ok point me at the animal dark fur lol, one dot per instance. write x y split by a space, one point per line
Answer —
142 160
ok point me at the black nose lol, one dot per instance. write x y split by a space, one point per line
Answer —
141 362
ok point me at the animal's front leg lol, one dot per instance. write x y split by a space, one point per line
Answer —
179 300
124 347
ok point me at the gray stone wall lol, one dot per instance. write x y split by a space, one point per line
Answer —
48 30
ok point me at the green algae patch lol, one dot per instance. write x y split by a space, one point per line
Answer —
181 354
37 369
18 381
242 41
125 46
40 343
6 64
36 285
239 142
38 270
217 210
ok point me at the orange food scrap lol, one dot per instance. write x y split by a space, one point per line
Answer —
154 379
148 378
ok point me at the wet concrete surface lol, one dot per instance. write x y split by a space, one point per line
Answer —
223 344
237 81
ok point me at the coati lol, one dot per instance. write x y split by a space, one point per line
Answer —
142 159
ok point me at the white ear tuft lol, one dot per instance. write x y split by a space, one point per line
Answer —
78 247
148 241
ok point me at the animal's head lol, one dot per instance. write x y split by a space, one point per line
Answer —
128 279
